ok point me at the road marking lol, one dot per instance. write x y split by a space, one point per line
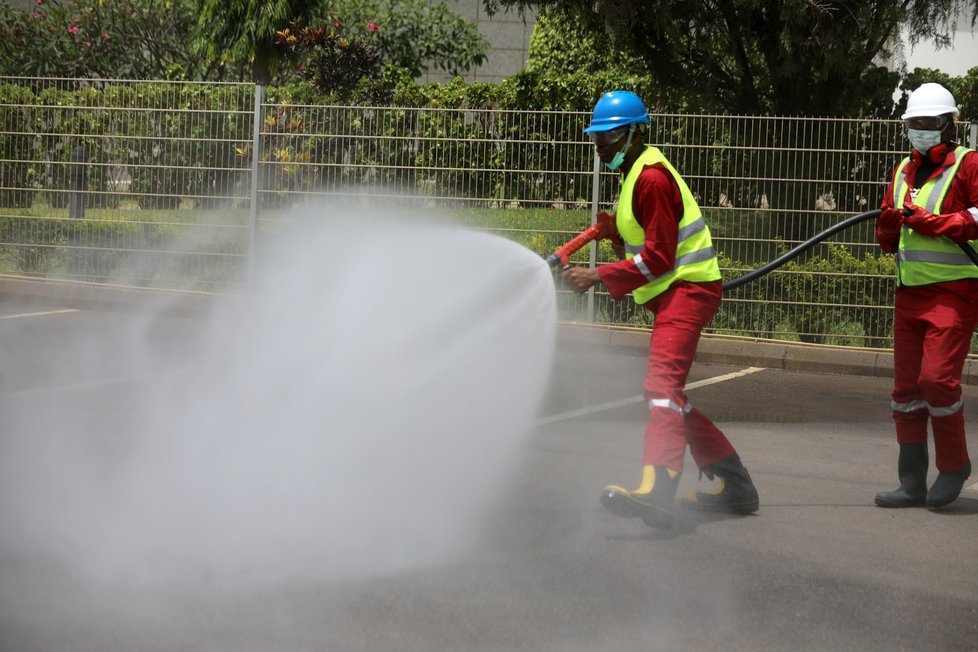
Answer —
601 407
39 314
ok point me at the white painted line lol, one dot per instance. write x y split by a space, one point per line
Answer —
719 379
601 407
39 314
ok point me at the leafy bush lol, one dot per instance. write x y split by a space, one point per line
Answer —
17 121
140 39
822 299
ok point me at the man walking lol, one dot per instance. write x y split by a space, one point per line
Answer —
670 267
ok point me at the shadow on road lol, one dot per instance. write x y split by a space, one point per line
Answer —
686 523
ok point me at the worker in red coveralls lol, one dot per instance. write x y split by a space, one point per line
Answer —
670 267
929 210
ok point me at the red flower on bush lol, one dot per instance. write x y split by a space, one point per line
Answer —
73 29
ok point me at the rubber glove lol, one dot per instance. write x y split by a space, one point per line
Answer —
959 226
611 228
888 224
617 244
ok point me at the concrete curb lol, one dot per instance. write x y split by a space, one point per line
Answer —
749 352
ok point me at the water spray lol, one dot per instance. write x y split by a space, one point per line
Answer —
601 230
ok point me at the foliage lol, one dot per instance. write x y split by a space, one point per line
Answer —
964 89
814 297
244 30
108 248
137 39
763 56
166 153
570 64
16 143
332 63
416 35
221 39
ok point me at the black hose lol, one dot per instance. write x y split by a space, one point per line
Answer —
805 246
969 252
808 244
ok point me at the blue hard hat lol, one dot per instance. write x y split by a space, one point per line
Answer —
615 109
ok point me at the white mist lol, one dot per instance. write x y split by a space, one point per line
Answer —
356 415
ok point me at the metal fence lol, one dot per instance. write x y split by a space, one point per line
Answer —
175 185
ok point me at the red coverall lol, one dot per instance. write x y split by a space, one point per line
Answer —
933 323
681 313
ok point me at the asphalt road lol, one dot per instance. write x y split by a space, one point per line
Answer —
818 568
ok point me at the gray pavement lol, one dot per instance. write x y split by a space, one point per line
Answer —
818 568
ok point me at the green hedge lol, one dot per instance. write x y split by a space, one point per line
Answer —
168 141
111 249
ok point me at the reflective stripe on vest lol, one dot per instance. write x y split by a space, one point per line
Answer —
696 260
922 260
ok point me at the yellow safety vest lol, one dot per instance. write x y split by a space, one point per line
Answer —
922 260
696 260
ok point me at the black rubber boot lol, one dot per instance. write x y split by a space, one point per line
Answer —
652 501
736 493
948 486
912 470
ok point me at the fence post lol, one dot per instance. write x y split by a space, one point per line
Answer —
973 136
77 182
255 182
595 193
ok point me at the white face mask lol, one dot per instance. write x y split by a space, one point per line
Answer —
923 140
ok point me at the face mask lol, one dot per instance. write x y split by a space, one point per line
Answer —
923 140
619 158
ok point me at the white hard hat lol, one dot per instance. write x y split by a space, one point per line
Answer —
930 100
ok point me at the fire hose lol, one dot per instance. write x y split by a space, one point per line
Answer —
601 230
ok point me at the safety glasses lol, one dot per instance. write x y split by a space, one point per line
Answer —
928 122
608 137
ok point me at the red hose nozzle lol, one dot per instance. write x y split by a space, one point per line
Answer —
562 255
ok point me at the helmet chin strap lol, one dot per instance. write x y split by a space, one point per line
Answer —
619 158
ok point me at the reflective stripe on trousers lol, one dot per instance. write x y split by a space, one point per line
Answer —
675 407
933 410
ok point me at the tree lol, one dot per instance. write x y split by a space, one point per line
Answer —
964 89
229 30
800 57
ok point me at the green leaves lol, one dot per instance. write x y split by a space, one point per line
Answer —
414 34
89 38
747 57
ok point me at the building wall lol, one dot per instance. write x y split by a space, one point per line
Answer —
509 41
